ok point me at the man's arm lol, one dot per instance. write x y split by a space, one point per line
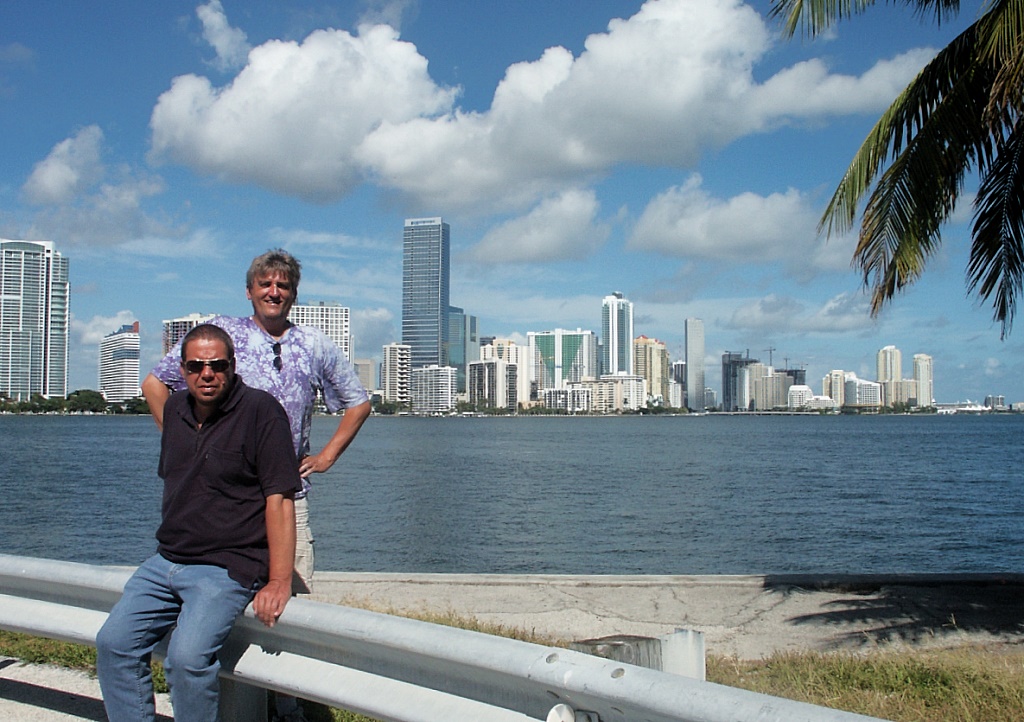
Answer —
156 394
347 429
270 601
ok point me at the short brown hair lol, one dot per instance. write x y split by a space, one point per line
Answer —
208 332
277 260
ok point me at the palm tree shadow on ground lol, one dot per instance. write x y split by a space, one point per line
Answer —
915 611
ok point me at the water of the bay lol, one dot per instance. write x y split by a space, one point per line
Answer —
619 495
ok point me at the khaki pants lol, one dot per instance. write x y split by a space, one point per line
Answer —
302 582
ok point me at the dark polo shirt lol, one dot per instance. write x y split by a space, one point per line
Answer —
217 478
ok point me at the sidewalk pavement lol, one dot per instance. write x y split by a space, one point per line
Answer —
748 617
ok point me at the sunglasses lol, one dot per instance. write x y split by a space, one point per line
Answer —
217 365
277 356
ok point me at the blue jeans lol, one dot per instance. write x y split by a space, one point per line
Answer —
200 604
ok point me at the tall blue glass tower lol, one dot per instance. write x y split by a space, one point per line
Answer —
425 275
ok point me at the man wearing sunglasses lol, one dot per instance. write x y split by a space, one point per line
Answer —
292 363
226 537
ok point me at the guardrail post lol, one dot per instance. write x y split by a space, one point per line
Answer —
681 652
565 713
240 702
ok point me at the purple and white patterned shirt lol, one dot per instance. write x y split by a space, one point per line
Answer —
309 362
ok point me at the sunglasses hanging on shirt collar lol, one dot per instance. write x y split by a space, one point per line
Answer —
277 355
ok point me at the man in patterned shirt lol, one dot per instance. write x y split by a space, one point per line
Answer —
291 363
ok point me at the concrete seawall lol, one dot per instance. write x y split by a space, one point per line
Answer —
749 616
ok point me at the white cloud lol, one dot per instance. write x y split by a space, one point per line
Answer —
326 244
230 44
994 368
687 221
73 166
91 332
292 118
371 329
84 202
808 90
109 215
782 314
317 118
388 12
201 243
559 228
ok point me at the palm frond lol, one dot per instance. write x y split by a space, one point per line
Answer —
814 16
1002 31
996 267
920 189
940 10
911 110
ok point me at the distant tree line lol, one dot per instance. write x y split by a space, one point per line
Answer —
83 401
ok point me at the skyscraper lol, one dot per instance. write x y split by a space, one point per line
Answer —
176 328
652 364
463 342
34 314
616 335
923 378
396 374
433 389
510 352
331 318
559 357
425 275
694 328
890 371
119 364
732 364
834 386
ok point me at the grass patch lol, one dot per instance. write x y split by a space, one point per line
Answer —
965 684
39 650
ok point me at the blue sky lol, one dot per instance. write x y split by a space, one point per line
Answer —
678 151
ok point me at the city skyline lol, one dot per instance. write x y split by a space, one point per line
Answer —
677 152
555 362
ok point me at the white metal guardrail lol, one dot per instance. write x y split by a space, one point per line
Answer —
396 669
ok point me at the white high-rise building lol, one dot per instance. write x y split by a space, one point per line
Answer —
119 364
559 357
890 371
617 393
694 364
174 329
799 396
833 385
434 389
510 352
331 318
366 371
617 335
762 388
924 380
34 320
862 394
492 383
396 374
